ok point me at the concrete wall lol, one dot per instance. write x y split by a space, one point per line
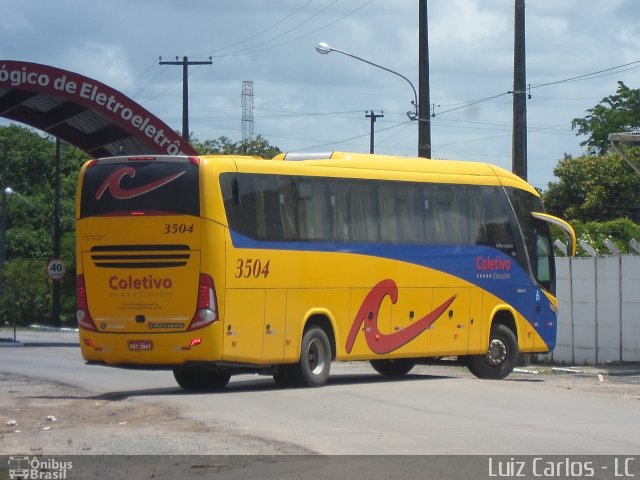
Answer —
599 310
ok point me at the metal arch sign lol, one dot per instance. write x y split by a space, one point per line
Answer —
20 82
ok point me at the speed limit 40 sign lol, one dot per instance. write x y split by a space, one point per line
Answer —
55 269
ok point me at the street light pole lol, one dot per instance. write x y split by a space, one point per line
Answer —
3 213
324 49
3 223
55 307
3 216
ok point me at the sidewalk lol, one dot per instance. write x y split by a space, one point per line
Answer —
41 336
607 369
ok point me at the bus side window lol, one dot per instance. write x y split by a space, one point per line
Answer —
288 207
235 191
268 225
364 212
239 203
409 211
451 214
388 208
428 194
315 211
341 212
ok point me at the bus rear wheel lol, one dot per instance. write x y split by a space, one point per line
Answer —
200 379
501 356
315 359
393 368
284 375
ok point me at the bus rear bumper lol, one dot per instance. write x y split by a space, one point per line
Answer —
152 351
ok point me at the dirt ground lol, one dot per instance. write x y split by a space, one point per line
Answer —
43 418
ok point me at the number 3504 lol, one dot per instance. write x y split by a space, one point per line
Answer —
252 267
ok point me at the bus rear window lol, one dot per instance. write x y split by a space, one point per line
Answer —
140 187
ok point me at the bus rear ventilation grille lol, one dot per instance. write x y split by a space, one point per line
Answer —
140 256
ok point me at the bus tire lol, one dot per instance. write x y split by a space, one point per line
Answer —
393 368
501 356
315 359
284 376
200 380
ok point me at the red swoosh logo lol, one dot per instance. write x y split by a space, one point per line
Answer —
380 342
112 183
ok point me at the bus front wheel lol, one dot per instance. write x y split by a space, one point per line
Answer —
199 379
501 356
315 359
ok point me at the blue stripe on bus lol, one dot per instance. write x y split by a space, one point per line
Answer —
483 266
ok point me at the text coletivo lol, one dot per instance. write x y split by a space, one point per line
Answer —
147 282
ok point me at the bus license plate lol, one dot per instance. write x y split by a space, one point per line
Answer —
140 345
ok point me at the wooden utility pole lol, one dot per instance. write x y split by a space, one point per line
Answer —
424 120
373 118
519 138
185 89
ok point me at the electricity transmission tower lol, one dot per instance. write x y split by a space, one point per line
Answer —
247 111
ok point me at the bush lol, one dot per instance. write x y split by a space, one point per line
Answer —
619 231
27 292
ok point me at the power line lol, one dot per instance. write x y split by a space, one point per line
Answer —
286 32
586 75
354 138
255 49
251 37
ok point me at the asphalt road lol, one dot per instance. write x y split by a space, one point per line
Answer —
433 410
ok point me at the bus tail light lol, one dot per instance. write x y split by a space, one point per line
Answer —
207 308
82 313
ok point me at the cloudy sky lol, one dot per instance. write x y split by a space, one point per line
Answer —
577 50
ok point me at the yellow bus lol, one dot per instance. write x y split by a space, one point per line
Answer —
216 265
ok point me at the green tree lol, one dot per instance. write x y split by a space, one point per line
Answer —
619 231
594 188
258 147
615 113
30 172
27 297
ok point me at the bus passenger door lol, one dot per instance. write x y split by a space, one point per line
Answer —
545 323
275 311
450 332
244 325
475 320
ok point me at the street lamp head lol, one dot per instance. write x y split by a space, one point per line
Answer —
323 48
9 191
